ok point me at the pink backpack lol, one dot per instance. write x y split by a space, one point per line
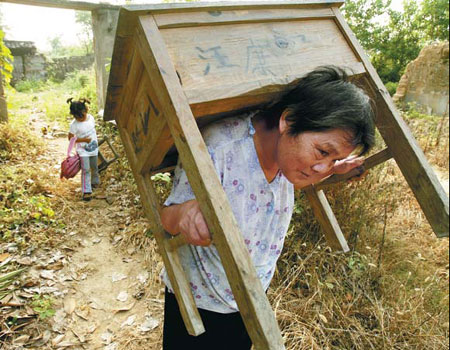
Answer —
72 164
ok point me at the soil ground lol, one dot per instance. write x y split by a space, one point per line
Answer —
98 285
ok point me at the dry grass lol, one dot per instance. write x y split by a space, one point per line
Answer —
17 143
390 292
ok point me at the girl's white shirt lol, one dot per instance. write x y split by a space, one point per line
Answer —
82 130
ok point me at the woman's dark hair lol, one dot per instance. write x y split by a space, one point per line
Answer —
324 100
77 108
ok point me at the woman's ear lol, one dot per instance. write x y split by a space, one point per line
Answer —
283 125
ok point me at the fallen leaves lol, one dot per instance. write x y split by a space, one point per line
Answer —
69 305
117 276
149 324
4 256
123 296
129 321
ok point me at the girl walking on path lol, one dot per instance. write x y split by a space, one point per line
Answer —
83 128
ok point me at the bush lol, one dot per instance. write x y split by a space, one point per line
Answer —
81 84
76 80
391 87
29 85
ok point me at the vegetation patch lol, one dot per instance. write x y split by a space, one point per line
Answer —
27 215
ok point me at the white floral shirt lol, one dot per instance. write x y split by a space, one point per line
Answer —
263 211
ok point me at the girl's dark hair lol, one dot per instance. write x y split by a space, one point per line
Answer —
78 107
323 100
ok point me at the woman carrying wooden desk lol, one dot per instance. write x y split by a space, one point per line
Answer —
321 127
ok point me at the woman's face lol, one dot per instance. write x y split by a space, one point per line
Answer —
309 157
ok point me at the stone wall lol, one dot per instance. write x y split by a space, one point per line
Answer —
58 68
28 64
426 80
29 67
18 72
38 67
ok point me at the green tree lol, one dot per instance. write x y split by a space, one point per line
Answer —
6 59
363 16
392 38
84 18
6 68
434 15
400 43
57 48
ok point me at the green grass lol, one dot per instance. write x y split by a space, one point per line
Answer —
49 98
43 305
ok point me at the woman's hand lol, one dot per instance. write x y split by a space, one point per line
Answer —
354 163
346 165
86 139
188 220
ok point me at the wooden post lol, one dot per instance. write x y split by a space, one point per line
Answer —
327 220
104 24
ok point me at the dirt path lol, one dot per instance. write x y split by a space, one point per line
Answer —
98 289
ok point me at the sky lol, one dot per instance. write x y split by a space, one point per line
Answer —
39 24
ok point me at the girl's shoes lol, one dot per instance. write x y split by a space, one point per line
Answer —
87 197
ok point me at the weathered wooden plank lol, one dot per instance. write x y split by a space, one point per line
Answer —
180 285
147 126
409 156
154 139
250 297
220 62
136 101
369 163
129 90
174 242
148 9
65 4
145 122
325 216
132 12
168 169
120 67
195 19
157 149
113 102
218 76
252 98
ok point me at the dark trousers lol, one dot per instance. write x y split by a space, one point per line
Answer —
223 331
